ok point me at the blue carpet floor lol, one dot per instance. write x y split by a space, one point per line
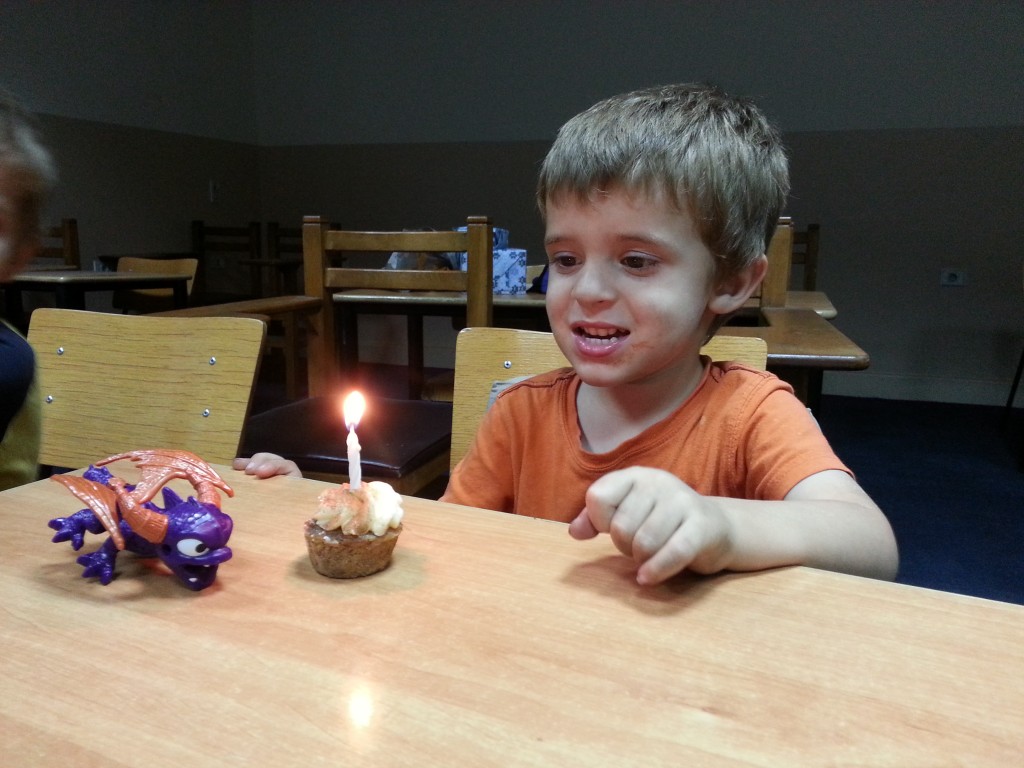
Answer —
947 477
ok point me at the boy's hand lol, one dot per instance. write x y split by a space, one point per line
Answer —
658 520
265 465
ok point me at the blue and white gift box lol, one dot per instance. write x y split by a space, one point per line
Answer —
509 270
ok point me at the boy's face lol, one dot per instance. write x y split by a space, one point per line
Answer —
631 289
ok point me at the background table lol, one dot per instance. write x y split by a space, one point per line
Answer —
492 640
69 287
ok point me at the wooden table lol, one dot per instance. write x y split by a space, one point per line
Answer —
492 640
802 345
69 287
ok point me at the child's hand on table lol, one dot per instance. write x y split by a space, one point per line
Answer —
265 465
658 520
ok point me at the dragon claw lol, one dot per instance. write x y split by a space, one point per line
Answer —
97 564
74 528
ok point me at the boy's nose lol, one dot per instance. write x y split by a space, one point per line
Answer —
593 283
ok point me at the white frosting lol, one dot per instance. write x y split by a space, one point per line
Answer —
385 507
374 508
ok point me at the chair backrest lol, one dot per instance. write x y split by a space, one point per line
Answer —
282 241
242 242
146 300
321 245
485 356
113 383
207 238
772 291
61 242
805 255
283 262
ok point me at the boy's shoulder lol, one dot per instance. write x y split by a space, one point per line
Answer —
741 387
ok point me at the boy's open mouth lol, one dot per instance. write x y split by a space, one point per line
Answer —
600 334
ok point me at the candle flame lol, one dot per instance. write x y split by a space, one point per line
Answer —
353 408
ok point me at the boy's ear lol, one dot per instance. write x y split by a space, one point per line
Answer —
730 293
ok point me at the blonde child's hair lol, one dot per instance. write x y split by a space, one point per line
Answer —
715 156
26 163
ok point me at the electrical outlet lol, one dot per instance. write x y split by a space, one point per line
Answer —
952 278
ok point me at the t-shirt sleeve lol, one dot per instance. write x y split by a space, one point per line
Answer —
781 445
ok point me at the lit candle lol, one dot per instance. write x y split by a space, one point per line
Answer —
353 409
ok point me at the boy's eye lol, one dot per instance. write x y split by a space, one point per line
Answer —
638 261
563 260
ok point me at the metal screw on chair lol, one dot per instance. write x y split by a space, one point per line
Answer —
213 361
206 412
507 363
60 350
49 398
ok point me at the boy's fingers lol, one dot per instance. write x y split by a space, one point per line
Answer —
581 527
677 553
604 496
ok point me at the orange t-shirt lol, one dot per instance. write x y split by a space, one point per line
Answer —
741 434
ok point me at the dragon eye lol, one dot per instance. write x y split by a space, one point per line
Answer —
192 547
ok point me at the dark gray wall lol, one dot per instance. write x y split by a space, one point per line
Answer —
904 121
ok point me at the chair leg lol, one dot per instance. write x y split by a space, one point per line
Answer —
1014 385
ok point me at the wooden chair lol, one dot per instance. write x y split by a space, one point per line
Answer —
805 256
239 242
772 291
146 300
61 242
113 383
405 442
324 279
486 356
283 260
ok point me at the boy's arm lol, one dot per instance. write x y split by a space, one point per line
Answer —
826 521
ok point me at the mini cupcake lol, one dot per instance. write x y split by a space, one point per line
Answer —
354 532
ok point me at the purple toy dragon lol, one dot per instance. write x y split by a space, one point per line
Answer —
190 537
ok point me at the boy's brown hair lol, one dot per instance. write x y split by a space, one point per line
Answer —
713 155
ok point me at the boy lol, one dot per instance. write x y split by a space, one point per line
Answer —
658 205
26 173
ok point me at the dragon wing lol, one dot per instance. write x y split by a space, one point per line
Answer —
158 466
100 499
